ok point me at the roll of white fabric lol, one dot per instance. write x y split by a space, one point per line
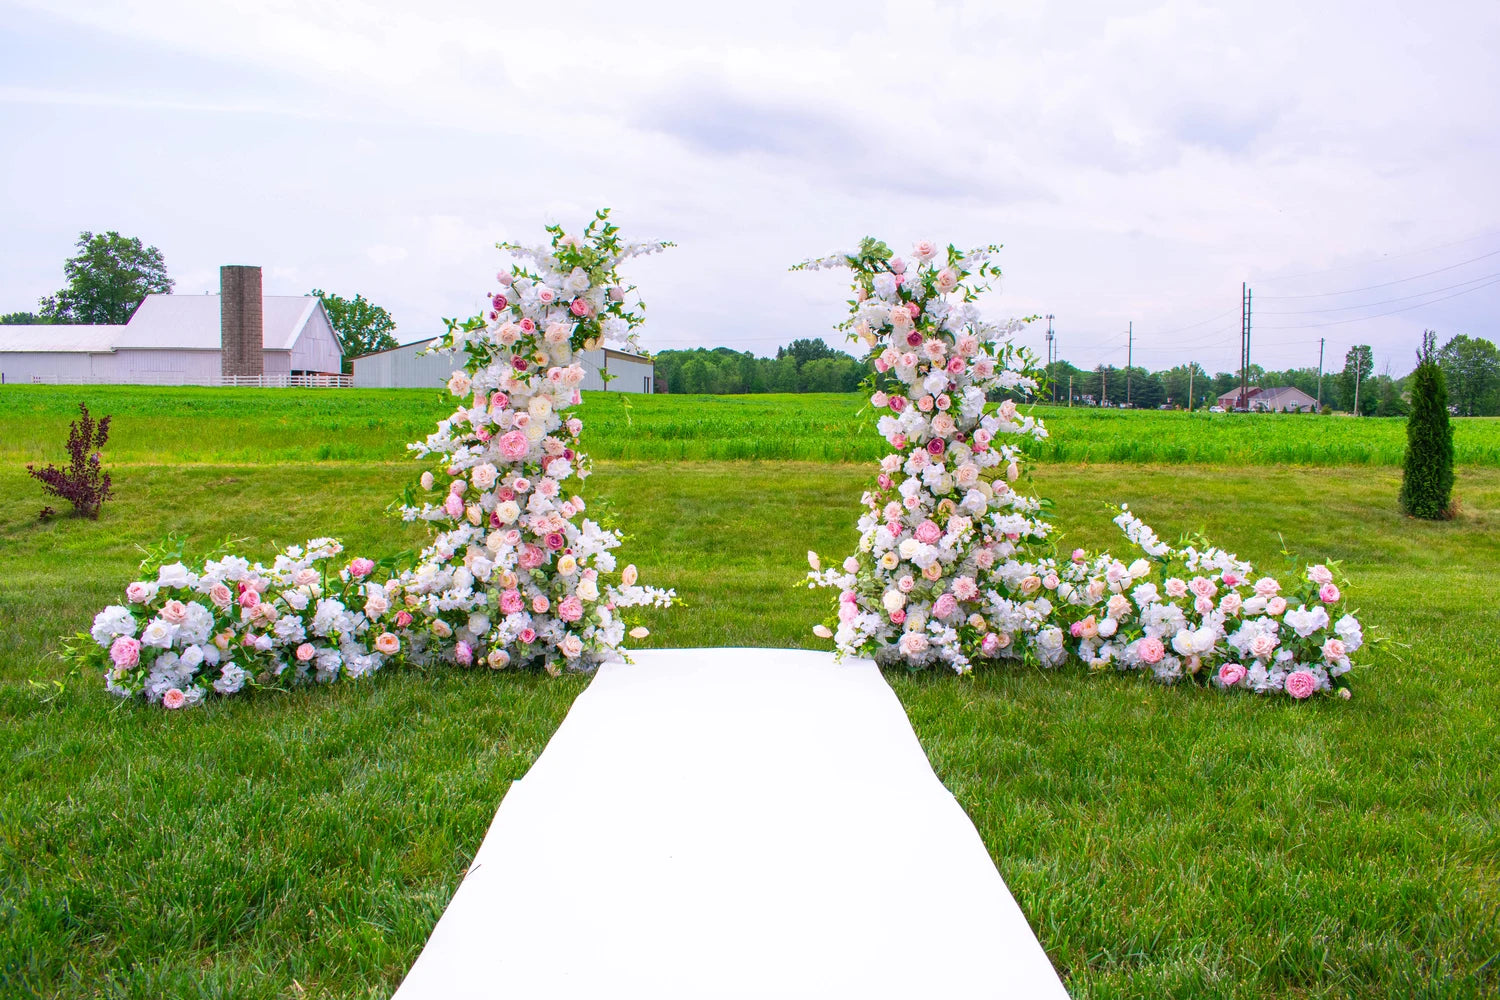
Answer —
732 823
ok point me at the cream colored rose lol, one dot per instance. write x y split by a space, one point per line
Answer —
889 561
507 511
567 565
909 547
629 575
483 476
893 600
587 590
539 406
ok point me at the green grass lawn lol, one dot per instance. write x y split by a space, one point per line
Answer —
1163 842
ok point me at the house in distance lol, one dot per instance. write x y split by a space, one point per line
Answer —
1281 399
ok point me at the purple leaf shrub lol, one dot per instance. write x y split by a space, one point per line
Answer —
84 483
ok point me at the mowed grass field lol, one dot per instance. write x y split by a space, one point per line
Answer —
259 425
1163 842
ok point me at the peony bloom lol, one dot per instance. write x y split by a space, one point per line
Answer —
125 652
1230 674
570 609
1301 684
1150 649
361 567
463 653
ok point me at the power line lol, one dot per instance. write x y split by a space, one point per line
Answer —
1382 302
1384 258
1387 284
1389 312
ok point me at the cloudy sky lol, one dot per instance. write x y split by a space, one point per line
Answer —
1138 160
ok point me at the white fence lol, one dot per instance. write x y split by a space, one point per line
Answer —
174 378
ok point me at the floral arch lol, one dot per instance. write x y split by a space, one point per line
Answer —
954 565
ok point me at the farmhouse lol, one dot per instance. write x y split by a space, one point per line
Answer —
1282 399
410 366
238 337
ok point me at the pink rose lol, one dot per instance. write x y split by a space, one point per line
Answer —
925 404
1231 674
1320 574
513 445
125 652
1150 649
540 604
555 540
897 265
454 505
936 447
1301 684
580 307
1329 593
928 533
1333 649
1078 555
1202 586
1176 588
898 403
955 366
361 567
249 597
944 606
527 636
463 653
990 645
571 608
511 601
221 595
403 619
387 643
138 593
1275 606
1266 587
1262 646
898 616
175 612
305 652
1230 604
174 698
924 250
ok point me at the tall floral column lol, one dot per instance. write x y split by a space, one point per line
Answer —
519 575
953 563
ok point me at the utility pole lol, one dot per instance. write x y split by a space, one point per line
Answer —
1245 294
1129 360
1192 369
1357 360
1070 391
1320 373
1051 356
1103 385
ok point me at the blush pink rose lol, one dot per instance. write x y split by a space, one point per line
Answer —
1231 674
174 698
898 403
1262 646
540 604
125 652
361 567
403 619
580 307
305 652
511 601
454 505
221 595
527 636
249 597
1301 684
928 533
1320 574
387 643
945 606
175 612
138 593
532 556
1333 649
570 609
513 445
1151 650
1329 593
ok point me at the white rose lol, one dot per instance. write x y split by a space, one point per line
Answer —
588 590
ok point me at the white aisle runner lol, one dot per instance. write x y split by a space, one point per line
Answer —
732 823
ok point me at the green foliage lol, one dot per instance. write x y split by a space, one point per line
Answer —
803 366
23 319
1471 367
107 279
362 327
1427 479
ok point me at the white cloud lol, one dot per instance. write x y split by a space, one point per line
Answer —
1139 160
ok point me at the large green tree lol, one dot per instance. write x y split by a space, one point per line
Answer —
362 326
107 279
23 319
1471 367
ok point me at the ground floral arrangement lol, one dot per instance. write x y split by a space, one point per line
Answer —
516 575
957 567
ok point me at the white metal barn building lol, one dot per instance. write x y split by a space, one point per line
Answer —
411 367
238 337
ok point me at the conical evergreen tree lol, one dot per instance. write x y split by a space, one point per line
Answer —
1427 483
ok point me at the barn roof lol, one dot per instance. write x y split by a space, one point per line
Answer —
68 339
170 322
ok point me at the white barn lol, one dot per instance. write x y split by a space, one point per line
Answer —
182 340
410 367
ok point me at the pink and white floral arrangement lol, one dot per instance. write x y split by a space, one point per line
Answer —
955 566
516 576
